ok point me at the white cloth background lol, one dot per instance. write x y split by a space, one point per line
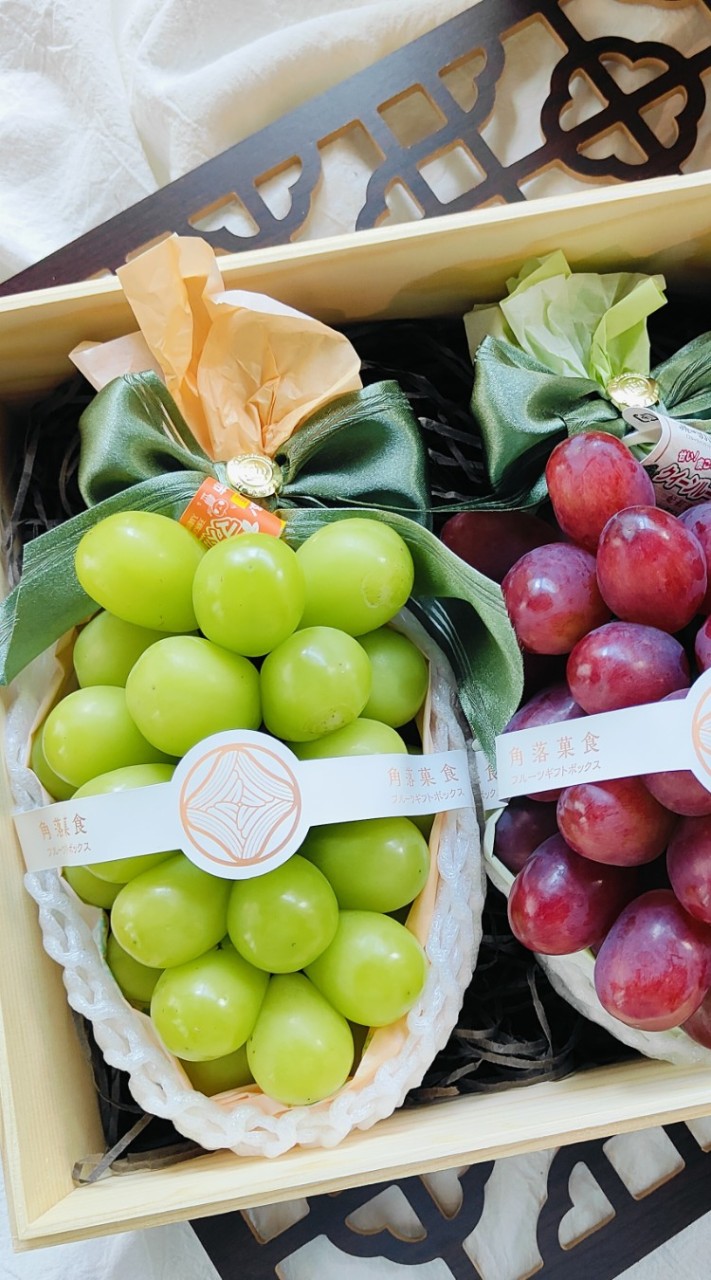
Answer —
104 101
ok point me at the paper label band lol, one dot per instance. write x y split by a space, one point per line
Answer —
655 738
679 465
239 804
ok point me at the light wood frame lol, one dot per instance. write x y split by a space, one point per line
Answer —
49 1113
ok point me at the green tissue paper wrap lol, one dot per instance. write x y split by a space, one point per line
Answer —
577 324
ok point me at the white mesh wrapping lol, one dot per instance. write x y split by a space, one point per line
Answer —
572 977
127 1038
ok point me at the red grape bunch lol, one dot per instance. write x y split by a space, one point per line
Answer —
610 604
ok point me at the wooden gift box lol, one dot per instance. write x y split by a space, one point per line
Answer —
50 1117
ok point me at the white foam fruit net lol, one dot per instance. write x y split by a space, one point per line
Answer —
240 1121
572 977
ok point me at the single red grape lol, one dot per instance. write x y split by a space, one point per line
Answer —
689 866
492 541
702 646
591 477
617 822
561 903
548 706
678 790
651 569
552 597
520 829
698 520
652 970
624 664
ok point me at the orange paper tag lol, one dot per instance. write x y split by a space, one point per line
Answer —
217 512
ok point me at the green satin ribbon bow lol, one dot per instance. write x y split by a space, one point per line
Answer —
364 446
362 451
523 410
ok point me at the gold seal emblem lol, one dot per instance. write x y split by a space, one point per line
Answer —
254 475
633 391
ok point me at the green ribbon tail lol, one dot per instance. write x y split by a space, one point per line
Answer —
463 610
48 600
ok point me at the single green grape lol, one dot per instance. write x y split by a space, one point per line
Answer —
219 1075
361 737
377 864
400 677
301 1049
135 980
207 1007
91 732
88 887
249 593
282 920
121 870
185 688
373 971
55 786
171 913
107 647
358 573
140 566
314 683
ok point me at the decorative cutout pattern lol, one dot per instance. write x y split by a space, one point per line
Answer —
439 126
575 1212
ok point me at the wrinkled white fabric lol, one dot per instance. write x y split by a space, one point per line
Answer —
104 101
